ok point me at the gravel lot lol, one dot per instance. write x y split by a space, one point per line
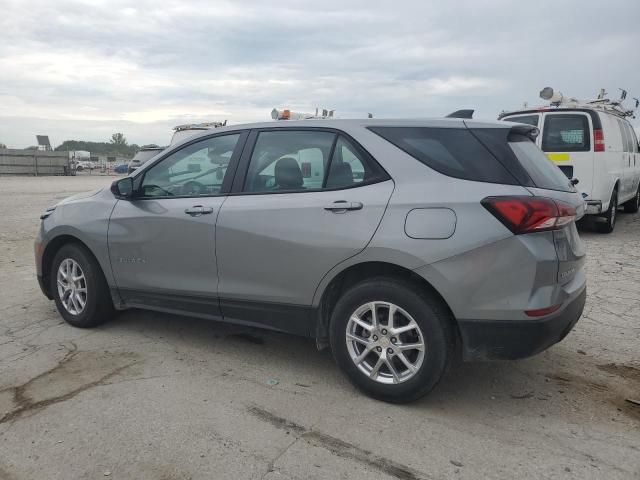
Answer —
153 396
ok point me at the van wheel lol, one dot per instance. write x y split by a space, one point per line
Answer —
610 216
633 205
393 341
79 288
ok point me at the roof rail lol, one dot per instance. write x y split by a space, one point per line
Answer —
200 126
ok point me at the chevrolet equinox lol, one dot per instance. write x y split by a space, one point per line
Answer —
401 244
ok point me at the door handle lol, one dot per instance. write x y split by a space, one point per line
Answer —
198 210
342 206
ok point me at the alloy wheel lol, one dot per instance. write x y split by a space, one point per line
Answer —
385 342
72 286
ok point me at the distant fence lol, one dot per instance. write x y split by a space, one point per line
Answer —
34 162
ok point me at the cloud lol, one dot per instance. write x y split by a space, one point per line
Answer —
83 69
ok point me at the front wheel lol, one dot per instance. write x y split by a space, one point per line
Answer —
391 339
79 288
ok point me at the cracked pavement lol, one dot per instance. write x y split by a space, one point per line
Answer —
155 396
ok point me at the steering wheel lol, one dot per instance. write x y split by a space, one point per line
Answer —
193 188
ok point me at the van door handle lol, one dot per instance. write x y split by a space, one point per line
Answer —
198 210
341 206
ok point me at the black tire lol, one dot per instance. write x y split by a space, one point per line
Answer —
610 216
633 205
428 312
98 307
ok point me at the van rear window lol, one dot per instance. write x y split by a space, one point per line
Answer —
566 133
455 152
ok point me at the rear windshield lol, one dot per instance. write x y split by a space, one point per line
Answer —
566 133
454 152
528 119
543 172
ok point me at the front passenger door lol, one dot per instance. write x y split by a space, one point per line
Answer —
162 241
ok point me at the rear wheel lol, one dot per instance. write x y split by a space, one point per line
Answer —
392 340
79 288
610 216
633 205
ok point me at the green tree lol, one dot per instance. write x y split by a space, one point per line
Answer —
2 145
99 148
118 139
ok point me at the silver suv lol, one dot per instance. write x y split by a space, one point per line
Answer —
400 243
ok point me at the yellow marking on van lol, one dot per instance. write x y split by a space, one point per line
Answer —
559 157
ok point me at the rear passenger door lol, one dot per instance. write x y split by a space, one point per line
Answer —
636 157
302 202
631 157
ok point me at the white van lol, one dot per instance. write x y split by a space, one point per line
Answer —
596 146
185 131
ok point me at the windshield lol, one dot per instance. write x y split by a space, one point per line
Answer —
144 155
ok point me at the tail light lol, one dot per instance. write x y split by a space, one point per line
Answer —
530 214
598 140
541 312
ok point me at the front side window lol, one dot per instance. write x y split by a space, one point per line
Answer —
566 133
195 170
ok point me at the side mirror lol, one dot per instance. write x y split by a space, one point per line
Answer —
123 188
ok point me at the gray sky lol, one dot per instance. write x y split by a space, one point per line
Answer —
80 69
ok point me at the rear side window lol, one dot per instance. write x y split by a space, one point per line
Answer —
528 119
451 151
543 172
566 133
634 138
628 136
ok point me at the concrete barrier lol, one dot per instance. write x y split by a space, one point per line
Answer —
34 162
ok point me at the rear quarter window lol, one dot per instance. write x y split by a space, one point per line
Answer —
566 133
454 152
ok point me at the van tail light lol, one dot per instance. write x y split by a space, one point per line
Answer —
598 140
530 214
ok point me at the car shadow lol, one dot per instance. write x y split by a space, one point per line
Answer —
538 386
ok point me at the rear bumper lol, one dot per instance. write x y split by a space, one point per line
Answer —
594 207
514 339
